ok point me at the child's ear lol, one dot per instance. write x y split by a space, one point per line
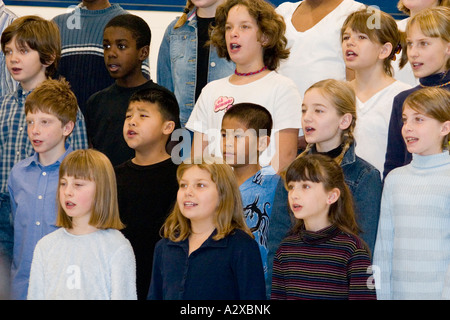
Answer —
263 143
144 52
445 129
50 62
68 128
386 50
346 121
333 196
168 127
264 39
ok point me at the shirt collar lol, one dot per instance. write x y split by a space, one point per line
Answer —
210 242
34 159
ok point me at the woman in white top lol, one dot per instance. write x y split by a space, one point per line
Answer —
369 52
313 31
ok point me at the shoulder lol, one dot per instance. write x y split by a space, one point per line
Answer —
401 96
241 239
51 238
350 243
287 8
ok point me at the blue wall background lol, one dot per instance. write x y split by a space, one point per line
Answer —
389 6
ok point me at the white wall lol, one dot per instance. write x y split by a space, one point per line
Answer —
157 21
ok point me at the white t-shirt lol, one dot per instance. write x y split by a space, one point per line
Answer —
316 54
405 74
95 266
275 92
372 124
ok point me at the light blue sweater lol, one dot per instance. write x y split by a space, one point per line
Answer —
96 266
412 249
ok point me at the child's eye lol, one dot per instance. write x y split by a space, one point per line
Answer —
345 37
121 46
183 185
201 185
419 119
106 46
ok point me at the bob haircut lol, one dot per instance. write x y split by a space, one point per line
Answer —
53 97
270 24
94 166
323 169
229 214
432 102
386 32
40 35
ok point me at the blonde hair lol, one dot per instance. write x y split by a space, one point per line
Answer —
94 166
403 8
386 32
182 20
342 96
434 23
432 102
229 214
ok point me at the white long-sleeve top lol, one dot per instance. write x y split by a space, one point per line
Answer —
96 266
412 250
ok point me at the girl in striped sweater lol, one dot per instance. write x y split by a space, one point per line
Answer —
321 258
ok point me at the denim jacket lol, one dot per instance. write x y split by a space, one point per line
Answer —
364 182
177 64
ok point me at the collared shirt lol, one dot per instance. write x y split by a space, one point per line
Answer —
14 143
225 269
32 188
7 83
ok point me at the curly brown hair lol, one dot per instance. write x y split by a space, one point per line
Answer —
270 24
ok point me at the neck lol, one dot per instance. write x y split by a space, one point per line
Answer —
369 81
208 12
81 226
51 156
243 173
150 156
321 3
96 5
132 81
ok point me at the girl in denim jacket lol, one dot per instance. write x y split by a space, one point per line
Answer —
185 62
328 121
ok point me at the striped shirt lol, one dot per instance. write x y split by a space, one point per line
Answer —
14 142
7 83
327 264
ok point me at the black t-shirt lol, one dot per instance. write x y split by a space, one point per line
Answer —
146 197
202 53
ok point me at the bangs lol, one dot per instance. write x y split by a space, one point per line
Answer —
303 170
78 167
358 23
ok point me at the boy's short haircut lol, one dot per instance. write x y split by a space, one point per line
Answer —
40 35
254 116
164 99
53 97
136 25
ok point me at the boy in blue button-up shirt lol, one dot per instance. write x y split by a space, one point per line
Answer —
51 112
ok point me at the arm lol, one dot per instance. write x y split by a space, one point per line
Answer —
123 274
155 291
164 68
278 282
36 286
359 277
382 257
287 141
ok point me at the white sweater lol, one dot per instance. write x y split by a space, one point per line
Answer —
412 250
96 266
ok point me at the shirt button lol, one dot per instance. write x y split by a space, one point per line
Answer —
40 197
21 128
44 173
213 64
38 223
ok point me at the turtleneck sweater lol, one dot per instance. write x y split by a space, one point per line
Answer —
412 250
396 153
324 264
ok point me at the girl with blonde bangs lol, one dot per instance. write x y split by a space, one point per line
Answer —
88 258
428 52
207 251
92 166
229 211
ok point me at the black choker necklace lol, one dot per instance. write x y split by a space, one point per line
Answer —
249 73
